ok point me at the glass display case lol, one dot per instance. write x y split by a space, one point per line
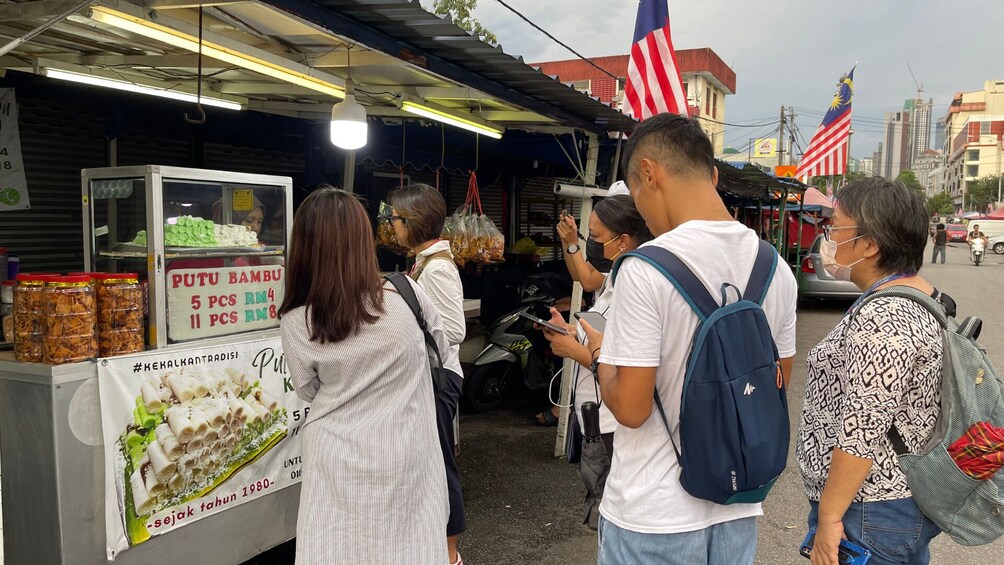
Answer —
211 245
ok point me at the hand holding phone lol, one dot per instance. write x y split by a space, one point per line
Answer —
594 319
848 553
544 323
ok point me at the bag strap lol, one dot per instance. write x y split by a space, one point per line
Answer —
665 422
762 275
438 256
404 288
678 273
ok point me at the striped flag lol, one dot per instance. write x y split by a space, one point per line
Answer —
827 152
653 83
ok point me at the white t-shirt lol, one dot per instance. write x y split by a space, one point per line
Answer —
651 325
586 387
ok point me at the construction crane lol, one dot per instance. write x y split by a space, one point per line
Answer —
920 87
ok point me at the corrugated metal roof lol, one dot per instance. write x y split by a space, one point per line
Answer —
404 29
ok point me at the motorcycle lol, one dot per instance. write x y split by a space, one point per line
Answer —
516 352
978 248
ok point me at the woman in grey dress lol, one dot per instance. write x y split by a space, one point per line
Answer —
374 486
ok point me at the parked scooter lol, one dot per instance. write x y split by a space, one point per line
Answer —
978 247
515 352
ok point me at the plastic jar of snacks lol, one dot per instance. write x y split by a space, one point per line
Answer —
29 315
70 320
120 313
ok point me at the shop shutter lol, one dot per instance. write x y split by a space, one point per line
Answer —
151 149
224 157
57 141
539 209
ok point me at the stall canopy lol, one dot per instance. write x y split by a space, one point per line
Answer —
748 181
291 57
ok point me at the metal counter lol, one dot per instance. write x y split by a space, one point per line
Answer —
53 481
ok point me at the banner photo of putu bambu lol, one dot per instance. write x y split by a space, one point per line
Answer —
191 433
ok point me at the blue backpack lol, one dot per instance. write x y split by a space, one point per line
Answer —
734 427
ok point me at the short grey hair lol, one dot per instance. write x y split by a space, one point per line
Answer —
893 216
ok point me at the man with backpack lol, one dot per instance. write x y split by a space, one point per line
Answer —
692 496
940 239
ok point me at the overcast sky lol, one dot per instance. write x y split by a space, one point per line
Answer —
789 52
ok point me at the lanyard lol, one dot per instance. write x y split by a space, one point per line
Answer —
871 289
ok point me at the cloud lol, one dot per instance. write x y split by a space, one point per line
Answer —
788 52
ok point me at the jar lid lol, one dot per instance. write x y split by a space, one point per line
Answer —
113 276
3 250
8 283
30 277
83 274
71 279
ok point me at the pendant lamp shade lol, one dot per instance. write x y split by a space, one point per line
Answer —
348 121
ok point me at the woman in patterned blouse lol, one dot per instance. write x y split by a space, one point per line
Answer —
878 371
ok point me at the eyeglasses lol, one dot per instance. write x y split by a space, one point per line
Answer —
828 229
390 219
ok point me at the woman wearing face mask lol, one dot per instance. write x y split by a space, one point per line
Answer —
615 227
877 373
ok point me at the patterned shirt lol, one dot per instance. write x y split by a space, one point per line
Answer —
884 368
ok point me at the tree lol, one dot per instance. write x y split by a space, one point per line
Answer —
460 12
941 204
822 183
980 193
910 180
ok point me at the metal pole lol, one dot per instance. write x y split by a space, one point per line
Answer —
780 136
349 172
18 41
615 173
568 369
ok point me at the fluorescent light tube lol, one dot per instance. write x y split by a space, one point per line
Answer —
171 36
469 124
139 88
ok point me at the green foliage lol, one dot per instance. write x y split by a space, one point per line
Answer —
911 182
982 192
460 12
941 204
823 182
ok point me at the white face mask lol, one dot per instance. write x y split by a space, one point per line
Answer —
828 251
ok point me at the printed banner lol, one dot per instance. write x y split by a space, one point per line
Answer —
219 301
765 147
191 433
13 185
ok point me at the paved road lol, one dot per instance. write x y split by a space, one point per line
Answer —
523 505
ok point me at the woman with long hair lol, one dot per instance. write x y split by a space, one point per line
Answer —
374 486
418 213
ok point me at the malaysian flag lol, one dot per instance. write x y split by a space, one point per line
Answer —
827 152
653 84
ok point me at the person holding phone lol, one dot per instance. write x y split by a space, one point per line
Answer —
615 227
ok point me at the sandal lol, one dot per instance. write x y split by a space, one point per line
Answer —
547 419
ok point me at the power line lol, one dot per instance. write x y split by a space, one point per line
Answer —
555 39
775 122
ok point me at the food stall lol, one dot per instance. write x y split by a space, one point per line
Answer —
186 439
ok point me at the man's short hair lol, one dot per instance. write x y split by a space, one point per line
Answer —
940 226
676 142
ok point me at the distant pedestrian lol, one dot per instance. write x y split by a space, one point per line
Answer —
876 373
374 482
940 238
646 515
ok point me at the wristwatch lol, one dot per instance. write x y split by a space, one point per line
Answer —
572 249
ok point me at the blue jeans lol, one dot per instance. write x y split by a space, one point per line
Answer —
895 531
732 543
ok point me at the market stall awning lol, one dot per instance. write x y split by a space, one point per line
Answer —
749 181
291 57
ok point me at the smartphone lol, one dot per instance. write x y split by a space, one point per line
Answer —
847 553
594 319
544 323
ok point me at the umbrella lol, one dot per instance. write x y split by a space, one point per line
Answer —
979 453
594 466
813 197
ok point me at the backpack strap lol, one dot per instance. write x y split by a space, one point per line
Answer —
762 275
679 274
404 288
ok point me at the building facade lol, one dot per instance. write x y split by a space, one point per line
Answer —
866 166
924 166
974 129
920 126
895 147
706 79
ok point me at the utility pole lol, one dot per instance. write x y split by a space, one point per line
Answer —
780 136
791 136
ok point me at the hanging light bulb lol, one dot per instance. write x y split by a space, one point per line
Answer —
348 121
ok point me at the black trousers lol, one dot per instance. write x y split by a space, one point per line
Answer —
447 403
